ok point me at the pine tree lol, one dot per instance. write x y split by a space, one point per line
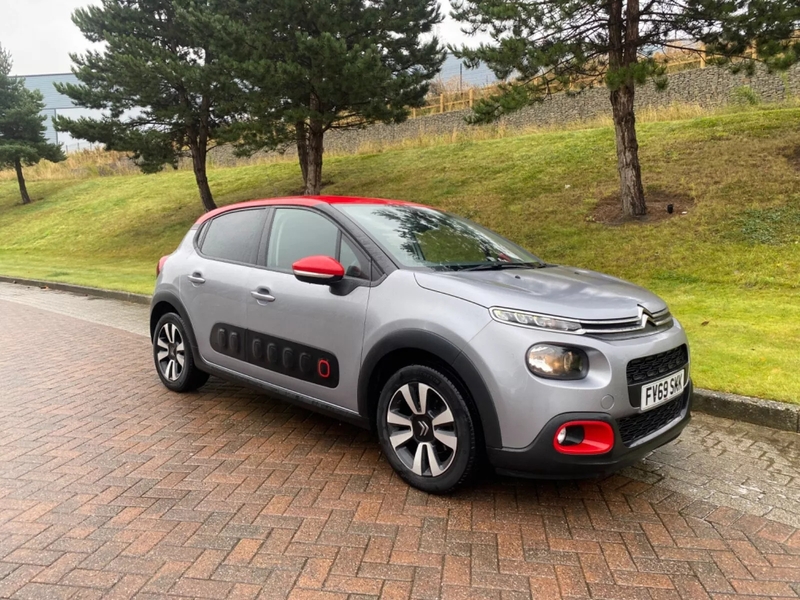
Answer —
546 45
768 30
157 81
22 129
312 66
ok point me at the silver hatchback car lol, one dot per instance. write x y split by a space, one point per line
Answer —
449 341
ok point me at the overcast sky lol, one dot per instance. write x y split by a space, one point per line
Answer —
40 35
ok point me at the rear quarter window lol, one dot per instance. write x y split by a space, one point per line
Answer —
234 236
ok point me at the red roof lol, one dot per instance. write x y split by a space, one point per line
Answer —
301 201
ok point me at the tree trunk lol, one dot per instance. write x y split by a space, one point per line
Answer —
302 149
623 38
199 149
630 173
23 190
316 131
314 180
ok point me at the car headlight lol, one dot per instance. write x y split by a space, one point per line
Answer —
518 317
557 362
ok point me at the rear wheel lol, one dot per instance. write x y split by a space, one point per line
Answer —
426 430
173 356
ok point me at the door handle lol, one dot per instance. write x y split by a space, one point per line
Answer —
262 295
196 278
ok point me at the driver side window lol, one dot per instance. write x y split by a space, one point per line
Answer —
298 233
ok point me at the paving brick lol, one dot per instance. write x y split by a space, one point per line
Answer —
643 580
18 578
113 487
315 572
762 588
202 588
689 587
32 557
571 582
396 590
244 552
36 591
279 584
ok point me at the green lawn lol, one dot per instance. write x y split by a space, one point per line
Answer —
730 269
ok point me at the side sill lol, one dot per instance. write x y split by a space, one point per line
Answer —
301 400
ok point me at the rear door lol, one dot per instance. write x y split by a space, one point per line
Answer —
215 286
308 337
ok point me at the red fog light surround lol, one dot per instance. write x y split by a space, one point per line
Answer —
584 437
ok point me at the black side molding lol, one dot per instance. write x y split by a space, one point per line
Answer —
276 354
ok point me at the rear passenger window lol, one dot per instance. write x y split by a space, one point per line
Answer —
234 236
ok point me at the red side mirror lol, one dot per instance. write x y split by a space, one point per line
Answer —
318 269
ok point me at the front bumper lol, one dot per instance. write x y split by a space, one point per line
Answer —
541 460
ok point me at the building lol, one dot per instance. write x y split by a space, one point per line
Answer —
58 104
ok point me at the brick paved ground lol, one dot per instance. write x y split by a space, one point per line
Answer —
110 486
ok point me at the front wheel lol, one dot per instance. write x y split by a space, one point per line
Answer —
173 356
426 430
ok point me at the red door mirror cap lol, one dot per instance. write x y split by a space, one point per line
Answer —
318 269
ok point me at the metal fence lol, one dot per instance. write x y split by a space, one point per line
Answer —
79 146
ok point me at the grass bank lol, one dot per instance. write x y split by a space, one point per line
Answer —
730 267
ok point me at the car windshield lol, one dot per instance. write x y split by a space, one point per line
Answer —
417 236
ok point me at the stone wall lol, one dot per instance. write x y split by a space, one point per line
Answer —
709 87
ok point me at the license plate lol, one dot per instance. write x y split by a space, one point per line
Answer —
662 390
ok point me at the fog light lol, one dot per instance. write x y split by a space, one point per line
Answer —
562 435
584 437
557 362
571 435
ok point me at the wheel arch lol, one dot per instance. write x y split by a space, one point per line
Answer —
167 302
417 346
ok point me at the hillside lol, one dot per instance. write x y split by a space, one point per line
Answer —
730 267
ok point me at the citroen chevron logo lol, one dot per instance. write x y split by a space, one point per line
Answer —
645 316
423 428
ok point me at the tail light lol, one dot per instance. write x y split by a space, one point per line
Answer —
160 266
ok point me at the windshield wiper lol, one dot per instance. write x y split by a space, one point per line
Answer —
497 266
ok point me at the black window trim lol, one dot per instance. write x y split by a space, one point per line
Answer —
199 239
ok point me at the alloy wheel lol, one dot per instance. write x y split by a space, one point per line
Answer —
422 429
171 352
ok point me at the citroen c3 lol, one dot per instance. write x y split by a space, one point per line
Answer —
449 341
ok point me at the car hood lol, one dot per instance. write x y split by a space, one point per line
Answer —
553 290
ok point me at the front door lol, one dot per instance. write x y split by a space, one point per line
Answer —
215 288
308 337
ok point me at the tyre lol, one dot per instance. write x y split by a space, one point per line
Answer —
173 356
426 429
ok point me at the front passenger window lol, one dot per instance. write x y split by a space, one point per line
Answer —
298 233
353 261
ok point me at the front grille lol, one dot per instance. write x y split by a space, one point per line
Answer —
649 368
644 324
634 428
